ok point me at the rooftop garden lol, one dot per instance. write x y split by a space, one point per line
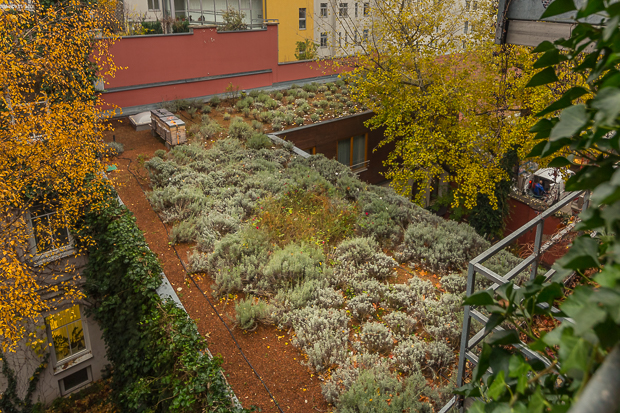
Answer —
368 284
265 112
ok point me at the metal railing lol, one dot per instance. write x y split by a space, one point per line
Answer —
476 267
360 167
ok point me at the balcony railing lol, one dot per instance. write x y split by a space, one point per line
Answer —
468 342
360 167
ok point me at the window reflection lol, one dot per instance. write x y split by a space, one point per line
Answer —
67 332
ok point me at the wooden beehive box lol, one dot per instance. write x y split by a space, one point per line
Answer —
170 128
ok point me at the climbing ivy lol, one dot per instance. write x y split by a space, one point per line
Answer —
159 360
10 402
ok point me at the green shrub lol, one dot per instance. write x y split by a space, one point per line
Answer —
254 93
241 104
160 153
238 129
226 116
272 104
251 311
183 231
339 83
215 100
378 390
256 125
322 89
314 117
290 265
299 121
266 117
206 108
246 112
279 96
259 141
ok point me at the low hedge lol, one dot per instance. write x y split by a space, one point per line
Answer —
159 360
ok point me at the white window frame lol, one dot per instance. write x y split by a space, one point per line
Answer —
323 10
366 9
153 5
302 19
80 354
323 39
61 383
365 35
51 255
343 10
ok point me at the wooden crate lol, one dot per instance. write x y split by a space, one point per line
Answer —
170 128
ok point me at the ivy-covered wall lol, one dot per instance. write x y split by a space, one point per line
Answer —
159 360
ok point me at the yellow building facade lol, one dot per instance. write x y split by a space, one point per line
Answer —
296 24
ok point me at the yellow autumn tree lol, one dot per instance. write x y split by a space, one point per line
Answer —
51 53
452 103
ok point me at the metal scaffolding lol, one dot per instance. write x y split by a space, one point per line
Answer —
467 358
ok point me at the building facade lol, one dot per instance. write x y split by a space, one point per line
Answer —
63 350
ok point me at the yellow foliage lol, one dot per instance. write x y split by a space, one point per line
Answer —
451 101
50 140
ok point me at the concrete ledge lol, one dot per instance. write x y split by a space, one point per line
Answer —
183 81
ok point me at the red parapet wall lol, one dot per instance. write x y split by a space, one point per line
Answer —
200 63
521 214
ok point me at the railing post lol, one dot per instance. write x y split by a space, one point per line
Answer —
537 242
471 281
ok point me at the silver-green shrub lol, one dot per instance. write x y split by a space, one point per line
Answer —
377 337
289 265
238 129
410 355
401 324
361 306
251 311
321 334
383 391
442 245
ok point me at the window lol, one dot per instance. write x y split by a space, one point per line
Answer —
467 5
344 10
475 5
465 27
323 10
366 9
355 38
302 18
355 9
352 151
75 380
153 5
339 38
67 333
464 44
323 39
365 35
49 236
